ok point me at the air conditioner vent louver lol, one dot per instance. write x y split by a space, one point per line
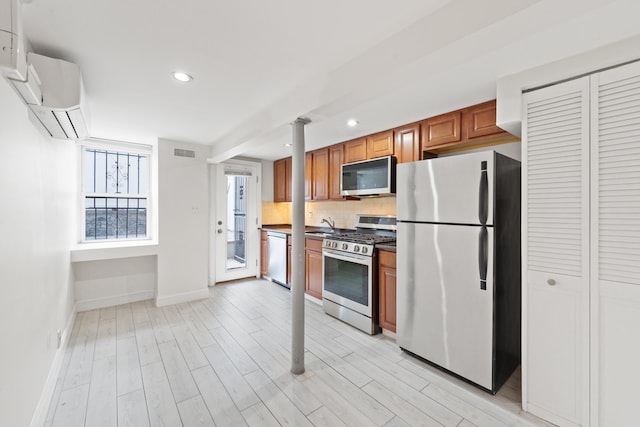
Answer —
184 153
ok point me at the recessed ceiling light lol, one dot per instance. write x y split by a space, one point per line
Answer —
181 77
352 122
288 144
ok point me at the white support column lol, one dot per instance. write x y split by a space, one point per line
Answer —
297 248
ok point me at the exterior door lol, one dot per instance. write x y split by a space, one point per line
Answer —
236 223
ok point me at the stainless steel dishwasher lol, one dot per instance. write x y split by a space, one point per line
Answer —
277 269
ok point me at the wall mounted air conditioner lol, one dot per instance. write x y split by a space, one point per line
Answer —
51 88
62 112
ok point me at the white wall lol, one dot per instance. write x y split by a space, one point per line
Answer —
183 223
110 282
267 180
37 223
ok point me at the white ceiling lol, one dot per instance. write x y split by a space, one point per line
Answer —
257 65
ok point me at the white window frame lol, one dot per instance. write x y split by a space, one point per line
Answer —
122 147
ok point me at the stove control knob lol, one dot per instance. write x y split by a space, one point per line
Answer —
356 248
335 244
345 246
364 249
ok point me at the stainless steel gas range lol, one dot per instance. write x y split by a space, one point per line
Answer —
350 271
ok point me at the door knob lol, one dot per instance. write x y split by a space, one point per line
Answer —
551 282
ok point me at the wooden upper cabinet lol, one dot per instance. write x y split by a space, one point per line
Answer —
480 121
336 158
279 181
407 143
282 180
320 174
308 175
355 150
443 129
380 144
287 178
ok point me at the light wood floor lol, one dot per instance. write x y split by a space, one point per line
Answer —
225 361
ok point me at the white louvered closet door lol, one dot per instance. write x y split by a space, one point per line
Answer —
556 252
615 248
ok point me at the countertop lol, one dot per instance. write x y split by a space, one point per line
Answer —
319 233
391 247
310 231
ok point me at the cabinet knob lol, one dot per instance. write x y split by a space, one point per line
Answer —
551 282
219 231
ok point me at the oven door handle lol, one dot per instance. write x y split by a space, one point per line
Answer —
364 260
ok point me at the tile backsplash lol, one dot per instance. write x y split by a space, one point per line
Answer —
342 212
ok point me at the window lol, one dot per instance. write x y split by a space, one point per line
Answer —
115 193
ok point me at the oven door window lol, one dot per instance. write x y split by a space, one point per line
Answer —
347 279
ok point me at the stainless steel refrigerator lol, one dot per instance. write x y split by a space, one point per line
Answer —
458 264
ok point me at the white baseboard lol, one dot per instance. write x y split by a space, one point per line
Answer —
91 304
40 414
182 297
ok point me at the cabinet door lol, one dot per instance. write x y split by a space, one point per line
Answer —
615 219
264 256
279 181
480 121
335 162
313 268
287 178
407 144
355 151
380 144
441 130
556 252
308 176
320 172
387 290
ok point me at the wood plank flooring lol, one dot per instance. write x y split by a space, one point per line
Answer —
225 361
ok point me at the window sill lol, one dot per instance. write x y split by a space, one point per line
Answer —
112 250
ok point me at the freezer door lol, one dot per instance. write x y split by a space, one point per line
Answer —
444 315
455 190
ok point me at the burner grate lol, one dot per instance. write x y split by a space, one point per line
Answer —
362 238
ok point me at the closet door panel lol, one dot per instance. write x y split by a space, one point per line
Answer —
556 252
615 235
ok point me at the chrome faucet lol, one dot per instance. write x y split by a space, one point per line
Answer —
331 223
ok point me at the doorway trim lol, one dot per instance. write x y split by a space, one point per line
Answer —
254 237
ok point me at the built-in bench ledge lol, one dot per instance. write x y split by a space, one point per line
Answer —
112 250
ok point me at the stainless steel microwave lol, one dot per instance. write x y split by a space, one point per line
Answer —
369 177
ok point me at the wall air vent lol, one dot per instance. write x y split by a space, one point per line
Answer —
184 153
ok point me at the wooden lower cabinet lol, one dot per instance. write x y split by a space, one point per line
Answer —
387 289
313 267
264 255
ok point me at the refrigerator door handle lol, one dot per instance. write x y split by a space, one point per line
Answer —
483 256
483 208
